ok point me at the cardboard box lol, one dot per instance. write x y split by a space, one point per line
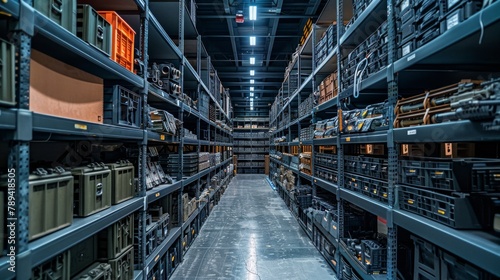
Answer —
62 90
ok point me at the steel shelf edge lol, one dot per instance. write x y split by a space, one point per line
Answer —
326 105
332 141
367 203
8 118
10 8
458 131
479 250
153 259
49 246
162 191
332 188
361 20
370 137
138 274
58 125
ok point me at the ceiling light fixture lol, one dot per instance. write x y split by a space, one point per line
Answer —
252 72
252 40
251 99
252 81
252 60
252 88
251 94
253 12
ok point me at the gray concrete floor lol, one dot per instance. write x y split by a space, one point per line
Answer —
252 235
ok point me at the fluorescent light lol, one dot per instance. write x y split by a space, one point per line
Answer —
252 81
251 99
252 72
253 12
252 88
251 94
252 40
252 60
251 108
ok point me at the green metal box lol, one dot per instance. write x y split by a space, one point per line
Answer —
97 271
94 29
122 180
116 239
55 269
92 189
7 73
63 12
83 255
50 201
123 267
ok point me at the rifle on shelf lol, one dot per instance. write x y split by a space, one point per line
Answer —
475 105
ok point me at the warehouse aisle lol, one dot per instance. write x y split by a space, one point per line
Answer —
251 234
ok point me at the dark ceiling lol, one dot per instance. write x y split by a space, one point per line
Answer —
278 29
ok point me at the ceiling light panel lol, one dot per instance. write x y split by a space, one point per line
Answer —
252 40
253 12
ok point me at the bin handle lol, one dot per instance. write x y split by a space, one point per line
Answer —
99 190
57 6
100 32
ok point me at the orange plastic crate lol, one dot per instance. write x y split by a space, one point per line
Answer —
123 40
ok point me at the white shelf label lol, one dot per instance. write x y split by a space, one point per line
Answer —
412 132
411 57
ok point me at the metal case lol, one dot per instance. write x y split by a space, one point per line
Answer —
94 29
122 181
123 267
116 239
7 73
97 271
55 269
83 255
92 189
122 106
50 202
63 12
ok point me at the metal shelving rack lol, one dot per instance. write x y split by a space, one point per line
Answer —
452 56
246 132
20 126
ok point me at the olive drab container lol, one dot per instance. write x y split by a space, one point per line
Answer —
97 271
63 12
92 192
122 181
50 193
122 268
116 239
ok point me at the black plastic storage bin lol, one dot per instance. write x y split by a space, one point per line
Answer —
122 107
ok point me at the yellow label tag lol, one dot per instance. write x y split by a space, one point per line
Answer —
384 195
334 227
315 181
410 201
348 139
413 171
375 191
157 194
442 212
157 257
173 258
184 244
496 175
162 137
80 126
439 173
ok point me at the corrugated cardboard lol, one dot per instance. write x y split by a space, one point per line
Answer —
62 90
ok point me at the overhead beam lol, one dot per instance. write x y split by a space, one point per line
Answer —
231 33
228 84
258 36
260 16
273 33
257 75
